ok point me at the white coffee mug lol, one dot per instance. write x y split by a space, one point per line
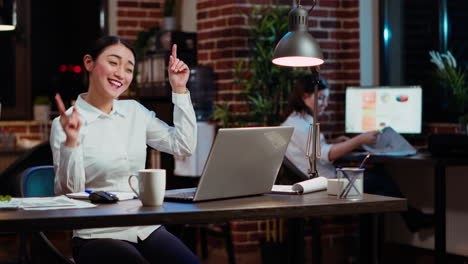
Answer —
151 185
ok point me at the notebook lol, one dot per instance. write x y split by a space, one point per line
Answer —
242 162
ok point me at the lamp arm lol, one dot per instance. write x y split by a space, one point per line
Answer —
314 131
313 5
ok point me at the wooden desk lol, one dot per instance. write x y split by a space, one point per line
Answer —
131 212
127 213
439 164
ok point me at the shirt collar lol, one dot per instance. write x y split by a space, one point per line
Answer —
91 113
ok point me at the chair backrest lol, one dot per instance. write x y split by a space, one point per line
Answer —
290 174
37 156
37 181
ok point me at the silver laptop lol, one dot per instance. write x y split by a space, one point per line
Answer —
242 162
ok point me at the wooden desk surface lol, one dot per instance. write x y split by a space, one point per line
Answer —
131 212
423 158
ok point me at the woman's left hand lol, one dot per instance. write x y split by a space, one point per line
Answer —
178 72
339 139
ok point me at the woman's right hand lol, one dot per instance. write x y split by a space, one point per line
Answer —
369 137
71 124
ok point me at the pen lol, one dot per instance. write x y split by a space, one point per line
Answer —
88 191
362 163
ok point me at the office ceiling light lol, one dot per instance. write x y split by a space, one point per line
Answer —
298 48
7 15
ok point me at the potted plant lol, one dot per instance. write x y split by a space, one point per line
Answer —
453 78
266 86
169 19
42 108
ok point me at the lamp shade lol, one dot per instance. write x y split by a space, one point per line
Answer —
7 15
297 48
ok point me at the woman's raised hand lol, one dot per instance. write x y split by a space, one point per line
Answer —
178 72
71 124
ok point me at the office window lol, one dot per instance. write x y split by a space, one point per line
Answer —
409 30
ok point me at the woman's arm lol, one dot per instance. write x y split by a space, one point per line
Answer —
340 149
68 162
179 140
66 150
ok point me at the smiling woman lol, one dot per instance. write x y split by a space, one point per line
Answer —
99 141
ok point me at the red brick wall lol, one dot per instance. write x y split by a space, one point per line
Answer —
222 40
134 16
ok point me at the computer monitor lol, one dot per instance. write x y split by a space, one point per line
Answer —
375 107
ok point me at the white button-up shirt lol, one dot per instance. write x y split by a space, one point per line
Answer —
113 146
296 151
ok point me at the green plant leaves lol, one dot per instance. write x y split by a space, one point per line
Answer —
5 198
265 86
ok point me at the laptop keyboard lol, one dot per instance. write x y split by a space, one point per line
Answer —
182 195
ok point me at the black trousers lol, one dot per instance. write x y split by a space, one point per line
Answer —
160 247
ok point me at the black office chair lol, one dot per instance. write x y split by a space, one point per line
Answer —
289 174
36 156
33 182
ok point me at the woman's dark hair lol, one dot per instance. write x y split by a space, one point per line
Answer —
106 41
304 85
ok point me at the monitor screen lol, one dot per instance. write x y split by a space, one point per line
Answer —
373 108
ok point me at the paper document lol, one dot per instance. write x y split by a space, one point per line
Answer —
307 186
47 203
9 205
390 143
121 195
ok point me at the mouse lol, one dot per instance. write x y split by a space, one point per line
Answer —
103 197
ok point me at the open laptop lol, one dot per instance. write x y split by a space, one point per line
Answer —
242 162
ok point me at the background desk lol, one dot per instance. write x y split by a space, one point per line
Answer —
439 165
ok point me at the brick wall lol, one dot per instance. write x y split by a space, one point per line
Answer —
222 41
134 16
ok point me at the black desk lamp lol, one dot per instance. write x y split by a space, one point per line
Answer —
299 49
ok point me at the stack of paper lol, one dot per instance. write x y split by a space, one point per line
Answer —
45 203
390 143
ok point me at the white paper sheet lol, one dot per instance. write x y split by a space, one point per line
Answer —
50 203
312 185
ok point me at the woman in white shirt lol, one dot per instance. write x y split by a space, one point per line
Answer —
100 141
299 115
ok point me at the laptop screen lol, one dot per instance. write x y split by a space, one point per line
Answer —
374 108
